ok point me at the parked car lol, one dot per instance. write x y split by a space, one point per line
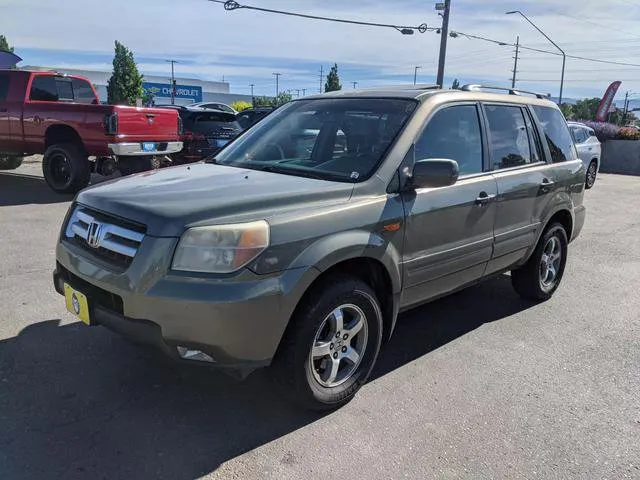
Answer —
223 107
205 132
251 116
272 253
61 117
589 150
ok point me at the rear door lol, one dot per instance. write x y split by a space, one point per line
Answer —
449 230
526 182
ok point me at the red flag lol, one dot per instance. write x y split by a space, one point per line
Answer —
607 100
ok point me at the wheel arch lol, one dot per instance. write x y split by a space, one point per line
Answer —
62 133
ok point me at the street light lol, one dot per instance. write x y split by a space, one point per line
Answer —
173 81
564 56
415 73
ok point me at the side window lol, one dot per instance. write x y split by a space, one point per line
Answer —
509 139
65 91
534 138
82 91
43 88
4 87
453 133
556 133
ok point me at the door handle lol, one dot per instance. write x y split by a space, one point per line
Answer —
484 198
546 185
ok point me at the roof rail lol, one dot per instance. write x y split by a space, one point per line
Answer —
512 91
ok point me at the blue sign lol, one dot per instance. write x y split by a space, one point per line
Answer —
187 92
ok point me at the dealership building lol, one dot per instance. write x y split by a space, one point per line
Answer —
188 90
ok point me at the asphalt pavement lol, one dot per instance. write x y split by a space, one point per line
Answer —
477 385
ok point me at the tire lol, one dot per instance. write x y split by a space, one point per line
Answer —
592 172
66 168
131 165
307 380
10 162
540 277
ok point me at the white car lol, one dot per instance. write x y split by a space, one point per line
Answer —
589 149
215 106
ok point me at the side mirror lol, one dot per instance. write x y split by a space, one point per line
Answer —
434 172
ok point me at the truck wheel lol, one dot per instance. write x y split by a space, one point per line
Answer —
131 165
330 348
10 163
66 168
540 277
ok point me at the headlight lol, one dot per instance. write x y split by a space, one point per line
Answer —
221 248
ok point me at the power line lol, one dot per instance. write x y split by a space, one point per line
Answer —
230 5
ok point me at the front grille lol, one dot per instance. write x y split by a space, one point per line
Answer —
95 295
113 240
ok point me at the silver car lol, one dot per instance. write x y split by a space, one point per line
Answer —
589 149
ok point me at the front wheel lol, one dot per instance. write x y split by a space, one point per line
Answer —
10 162
540 277
592 171
331 346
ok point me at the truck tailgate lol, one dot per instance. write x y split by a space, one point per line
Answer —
147 123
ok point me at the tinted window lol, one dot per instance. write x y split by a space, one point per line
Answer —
453 133
509 139
65 91
305 138
556 133
534 139
82 91
44 88
4 87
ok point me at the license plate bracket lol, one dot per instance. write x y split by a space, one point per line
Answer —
77 304
149 147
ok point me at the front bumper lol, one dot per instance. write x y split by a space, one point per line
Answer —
236 320
136 148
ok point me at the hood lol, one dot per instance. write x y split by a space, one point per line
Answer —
170 199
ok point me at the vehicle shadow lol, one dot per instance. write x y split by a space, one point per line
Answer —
79 402
19 189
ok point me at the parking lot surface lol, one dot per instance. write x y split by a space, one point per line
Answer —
476 385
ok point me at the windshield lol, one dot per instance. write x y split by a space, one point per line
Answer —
331 139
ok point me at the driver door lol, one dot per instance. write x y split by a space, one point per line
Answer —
449 230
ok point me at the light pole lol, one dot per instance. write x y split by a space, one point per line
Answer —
173 81
564 56
355 84
277 75
415 73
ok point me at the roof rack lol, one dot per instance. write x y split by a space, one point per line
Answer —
512 91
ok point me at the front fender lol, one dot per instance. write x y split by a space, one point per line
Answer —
328 251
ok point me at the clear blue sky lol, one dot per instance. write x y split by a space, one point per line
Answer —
247 47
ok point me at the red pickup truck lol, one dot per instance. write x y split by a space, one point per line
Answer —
61 117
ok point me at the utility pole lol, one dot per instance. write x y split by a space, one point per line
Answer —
355 84
444 33
304 92
321 76
277 75
173 81
626 108
297 90
515 63
415 73
253 99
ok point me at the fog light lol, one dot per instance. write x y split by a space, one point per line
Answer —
188 354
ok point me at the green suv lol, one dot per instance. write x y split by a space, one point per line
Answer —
297 246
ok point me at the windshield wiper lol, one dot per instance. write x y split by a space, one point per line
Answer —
279 168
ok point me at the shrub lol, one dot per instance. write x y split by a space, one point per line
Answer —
604 131
628 133
240 105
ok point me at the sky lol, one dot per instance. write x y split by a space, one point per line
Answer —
246 47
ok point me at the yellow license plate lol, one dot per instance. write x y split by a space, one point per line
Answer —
77 304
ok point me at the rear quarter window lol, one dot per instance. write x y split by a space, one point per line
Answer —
556 133
43 88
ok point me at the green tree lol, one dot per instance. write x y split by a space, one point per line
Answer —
4 45
263 102
282 98
586 109
125 85
455 85
333 80
567 110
